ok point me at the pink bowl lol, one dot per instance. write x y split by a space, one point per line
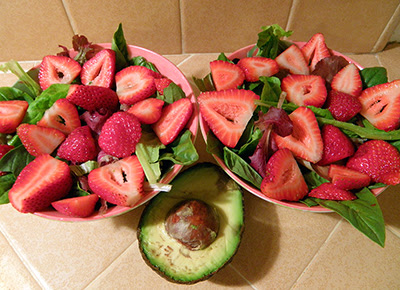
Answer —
241 53
168 69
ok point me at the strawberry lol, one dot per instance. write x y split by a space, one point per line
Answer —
39 140
379 159
11 115
226 75
346 178
79 146
348 80
134 83
305 90
119 183
62 115
315 50
173 119
305 141
293 60
80 206
41 182
161 84
120 134
331 192
4 148
381 105
342 106
227 113
100 69
55 69
148 111
283 179
256 66
93 98
337 145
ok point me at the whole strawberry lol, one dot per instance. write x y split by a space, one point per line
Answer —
342 106
120 134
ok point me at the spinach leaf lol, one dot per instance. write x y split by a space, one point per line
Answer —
223 57
15 160
6 182
271 90
84 168
172 93
214 146
373 76
140 60
11 93
313 179
118 44
183 150
204 84
269 42
363 213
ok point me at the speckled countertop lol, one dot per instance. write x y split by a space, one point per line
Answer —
281 248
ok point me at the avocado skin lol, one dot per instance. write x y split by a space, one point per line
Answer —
199 170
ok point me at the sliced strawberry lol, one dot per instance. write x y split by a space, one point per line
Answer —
11 115
257 66
120 134
337 145
379 159
293 60
79 146
62 115
100 69
381 105
41 182
119 183
331 192
4 148
346 178
283 179
161 84
80 206
173 119
148 111
315 50
39 140
227 113
134 83
305 141
55 69
226 75
342 106
93 98
305 90
348 80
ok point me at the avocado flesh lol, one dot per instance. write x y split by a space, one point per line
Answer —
171 259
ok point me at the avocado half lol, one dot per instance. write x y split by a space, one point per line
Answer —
172 259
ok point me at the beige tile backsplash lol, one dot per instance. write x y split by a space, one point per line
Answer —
31 29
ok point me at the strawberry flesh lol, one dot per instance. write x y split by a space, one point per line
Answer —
80 206
11 115
331 192
348 80
293 60
148 111
315 50
346 178
100 69
161 84
226 75
257 66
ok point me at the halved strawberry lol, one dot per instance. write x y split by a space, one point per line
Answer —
342 106
119 183
100 69
55 69
331 192
348 80
134 83
62 115
93 98
305 90
173 119
347 178
80 206
4 148
283 179
39 140
11 115
226 75
337 145
379 159
79 146
162 83
315 49
305 141
293 60
41 182
381 105
227 113
148 111
256 66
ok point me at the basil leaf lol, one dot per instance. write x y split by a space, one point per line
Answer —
140 60
223 57
214 146
15 160
373 76
183 150
363 213
204 84
172 93
118 44
313 179
6 182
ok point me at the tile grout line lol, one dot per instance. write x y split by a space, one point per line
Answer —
70 19
290 16
243 277
318 251
181 26
393 231
388 24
